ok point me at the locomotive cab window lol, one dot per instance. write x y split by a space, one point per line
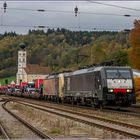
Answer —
118 73
125 74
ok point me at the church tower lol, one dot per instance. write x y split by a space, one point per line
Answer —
21 59
22 62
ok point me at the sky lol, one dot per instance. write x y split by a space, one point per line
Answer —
20 16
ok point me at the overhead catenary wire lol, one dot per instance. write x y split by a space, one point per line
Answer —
71 12
79 13
112 5
76 27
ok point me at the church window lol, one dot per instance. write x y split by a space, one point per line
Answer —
19 59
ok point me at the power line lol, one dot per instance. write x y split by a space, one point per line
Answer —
112 5
80 12
76 11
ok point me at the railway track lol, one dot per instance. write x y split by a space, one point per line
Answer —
3 132
123 111
32 128
89 116
125 129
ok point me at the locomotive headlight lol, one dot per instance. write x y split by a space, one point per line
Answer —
129 90
119 81
110 90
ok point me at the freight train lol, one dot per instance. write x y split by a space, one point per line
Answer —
96 86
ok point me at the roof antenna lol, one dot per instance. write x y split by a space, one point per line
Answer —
5 6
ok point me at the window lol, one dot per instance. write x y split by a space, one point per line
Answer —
118 73
19 59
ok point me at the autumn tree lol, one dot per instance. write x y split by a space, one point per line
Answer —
97 54
134 39
137 87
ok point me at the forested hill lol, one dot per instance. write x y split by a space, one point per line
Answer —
62 49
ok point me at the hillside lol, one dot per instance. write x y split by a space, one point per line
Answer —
63 49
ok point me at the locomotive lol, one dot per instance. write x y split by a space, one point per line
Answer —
95 86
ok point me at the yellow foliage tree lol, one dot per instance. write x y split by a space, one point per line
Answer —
134 39
137 88
97 55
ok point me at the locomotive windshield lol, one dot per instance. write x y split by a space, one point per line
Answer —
118 73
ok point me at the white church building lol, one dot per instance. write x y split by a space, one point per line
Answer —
29 72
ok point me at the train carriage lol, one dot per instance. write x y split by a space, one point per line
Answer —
53 87
50 87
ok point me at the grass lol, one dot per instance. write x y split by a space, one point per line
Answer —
10 79
55 131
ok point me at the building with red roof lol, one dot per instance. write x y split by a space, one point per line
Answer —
29 72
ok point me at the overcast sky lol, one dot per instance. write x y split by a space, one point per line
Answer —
20 16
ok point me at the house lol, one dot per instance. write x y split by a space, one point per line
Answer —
29 72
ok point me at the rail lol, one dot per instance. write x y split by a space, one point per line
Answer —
4 132
35 130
